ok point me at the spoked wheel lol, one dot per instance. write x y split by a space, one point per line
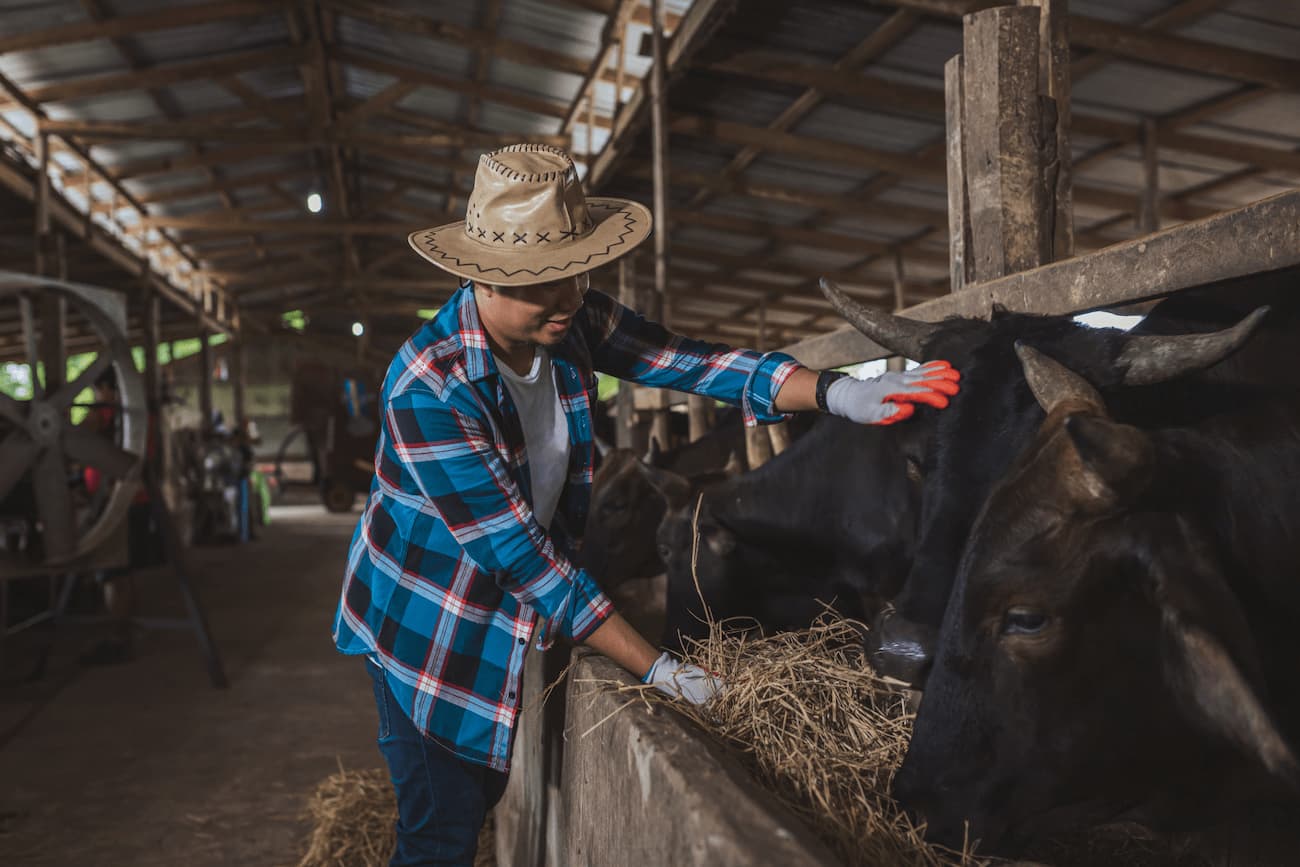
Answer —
41 450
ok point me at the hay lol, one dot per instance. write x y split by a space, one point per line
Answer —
822 732
353 813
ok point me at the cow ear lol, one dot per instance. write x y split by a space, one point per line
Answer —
1222 696
674 488
654 454
1211 660
1115 460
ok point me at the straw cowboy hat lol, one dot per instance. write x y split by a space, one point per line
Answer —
527 221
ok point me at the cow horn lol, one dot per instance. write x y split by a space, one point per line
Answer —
1149 359
1052 382
901 336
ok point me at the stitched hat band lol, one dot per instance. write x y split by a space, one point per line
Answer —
527 221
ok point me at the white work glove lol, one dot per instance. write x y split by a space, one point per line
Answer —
677 679
892 397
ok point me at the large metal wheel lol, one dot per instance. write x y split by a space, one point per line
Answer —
41 451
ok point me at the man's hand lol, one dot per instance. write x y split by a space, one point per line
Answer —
892 397
678 679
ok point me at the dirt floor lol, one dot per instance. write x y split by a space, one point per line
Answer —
145 763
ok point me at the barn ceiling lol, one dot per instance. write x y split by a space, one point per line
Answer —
806 138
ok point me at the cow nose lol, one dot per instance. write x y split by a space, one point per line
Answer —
923 800
900 648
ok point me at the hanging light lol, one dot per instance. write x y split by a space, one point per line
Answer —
315 203
358 329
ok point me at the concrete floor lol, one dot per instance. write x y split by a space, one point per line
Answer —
146 763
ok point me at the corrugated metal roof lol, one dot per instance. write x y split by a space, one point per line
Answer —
818 32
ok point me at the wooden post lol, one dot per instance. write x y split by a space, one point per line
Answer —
659 160
697 408
897 362
42 245
661 427
620 72
626 400
1054 85
758 443
962 264
590 157
205 381
1001 141
1148 215
238 382
51 307
151 316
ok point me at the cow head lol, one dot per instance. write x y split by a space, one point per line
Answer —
969 445
619 544
1093 660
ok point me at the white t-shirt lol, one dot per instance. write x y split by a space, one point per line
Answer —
546 432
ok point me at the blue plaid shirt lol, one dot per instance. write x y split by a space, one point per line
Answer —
448 570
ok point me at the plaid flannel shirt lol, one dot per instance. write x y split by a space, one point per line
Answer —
448 570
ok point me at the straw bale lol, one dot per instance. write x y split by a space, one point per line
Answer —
353 815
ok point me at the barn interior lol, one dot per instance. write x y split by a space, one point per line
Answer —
211 200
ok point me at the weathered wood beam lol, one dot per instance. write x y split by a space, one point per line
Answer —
220 223
406 21
882 94
163 76
423 76
689 35
1145 46
168 18
1259 238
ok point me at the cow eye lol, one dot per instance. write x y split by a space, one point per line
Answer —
665 552
1023 621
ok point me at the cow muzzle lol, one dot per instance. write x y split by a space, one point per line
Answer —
899 648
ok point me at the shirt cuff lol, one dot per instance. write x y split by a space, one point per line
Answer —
758 403
581 614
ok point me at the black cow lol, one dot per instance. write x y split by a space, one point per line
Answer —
626 506
1121 637
971 443
829 520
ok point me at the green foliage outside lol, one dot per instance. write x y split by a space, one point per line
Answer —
295 319
16 380
606 386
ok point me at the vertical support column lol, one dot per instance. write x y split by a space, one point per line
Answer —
961 262
758 444
205 380
1054 87
1148 207
626 399
1001 141
238 381
697 408
659 160
897 362
151 321
51 308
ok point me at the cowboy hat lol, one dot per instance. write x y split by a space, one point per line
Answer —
527 221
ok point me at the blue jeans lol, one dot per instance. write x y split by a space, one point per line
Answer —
442 800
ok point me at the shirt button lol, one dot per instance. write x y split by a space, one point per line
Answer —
523 641
510 695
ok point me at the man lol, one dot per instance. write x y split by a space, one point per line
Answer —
483 474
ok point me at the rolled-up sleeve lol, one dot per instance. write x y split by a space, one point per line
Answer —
627 345
462 480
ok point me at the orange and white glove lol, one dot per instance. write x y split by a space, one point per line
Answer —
892 397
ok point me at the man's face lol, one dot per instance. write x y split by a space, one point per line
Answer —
541 313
